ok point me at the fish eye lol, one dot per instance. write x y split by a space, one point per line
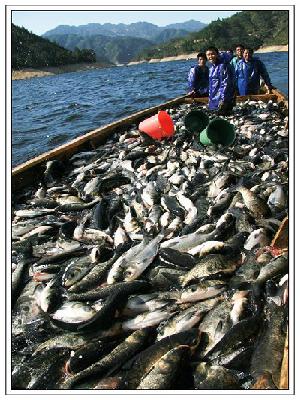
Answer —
193 289
194 341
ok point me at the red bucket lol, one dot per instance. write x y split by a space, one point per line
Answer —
158 126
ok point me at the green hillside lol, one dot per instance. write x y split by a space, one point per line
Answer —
252 28
29 50
112 49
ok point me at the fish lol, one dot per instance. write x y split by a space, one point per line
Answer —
94 276
268 351
164 372
189 207
278 265
142 260
17 280
141 365
258 238
170 204
149 318
88 354
76 270
175 257
182 321
121 353
201 291
34 213
64 340
257 207
214 326
239 299
74 313
277 198
146 302
215 377
103 292
211 266
171 236
135 261
50 297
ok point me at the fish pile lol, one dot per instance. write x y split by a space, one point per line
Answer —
149 265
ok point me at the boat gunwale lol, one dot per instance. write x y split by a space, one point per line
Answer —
98 136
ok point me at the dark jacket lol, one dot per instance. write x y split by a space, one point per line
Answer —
198 80
221 84
248 76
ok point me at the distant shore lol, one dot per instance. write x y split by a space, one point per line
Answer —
28 73
189 56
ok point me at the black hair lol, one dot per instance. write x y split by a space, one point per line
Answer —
240 45
212 48
202 55
249 49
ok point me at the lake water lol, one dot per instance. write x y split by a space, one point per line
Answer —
50 111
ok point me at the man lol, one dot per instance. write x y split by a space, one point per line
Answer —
248 72
239 50
221 82
198 77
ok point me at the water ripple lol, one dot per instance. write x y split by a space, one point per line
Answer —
50 111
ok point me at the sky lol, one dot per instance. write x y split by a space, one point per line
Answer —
40 22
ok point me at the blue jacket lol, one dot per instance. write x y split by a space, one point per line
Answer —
221 84
235 61
198 79
248 76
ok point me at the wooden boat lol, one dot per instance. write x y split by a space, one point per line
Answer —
29 172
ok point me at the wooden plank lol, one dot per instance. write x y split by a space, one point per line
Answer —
284 376
281 238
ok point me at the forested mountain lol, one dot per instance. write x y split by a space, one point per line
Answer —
29 50
253 28
118 43
117 50
143 30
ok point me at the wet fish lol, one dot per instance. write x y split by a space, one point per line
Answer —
165 371
211 266
143 362
147 319
126 216
214 377
255 205
121 353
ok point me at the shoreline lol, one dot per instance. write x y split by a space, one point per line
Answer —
28 73
189 56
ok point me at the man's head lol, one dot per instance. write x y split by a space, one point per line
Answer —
248 53
239 50
212 54
201 57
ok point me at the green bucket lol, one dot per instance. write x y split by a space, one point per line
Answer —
195 121
218 131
